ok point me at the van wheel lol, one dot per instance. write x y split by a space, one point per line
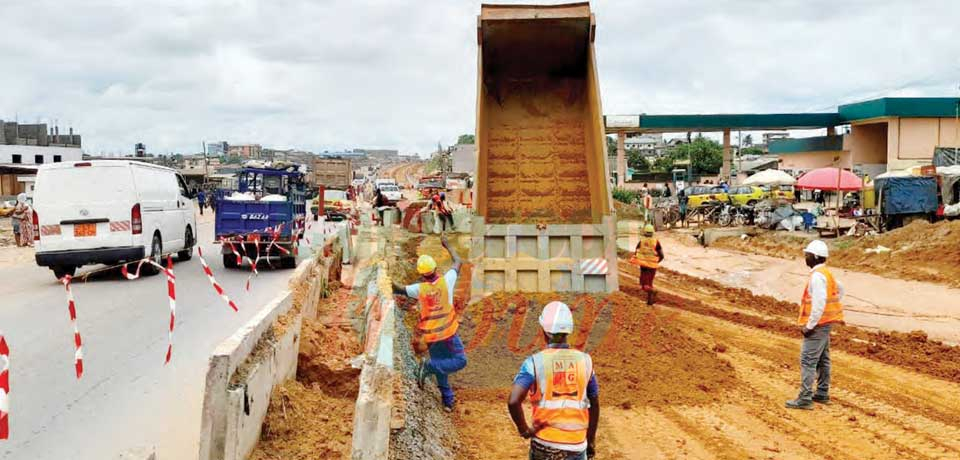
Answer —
188 243
63 270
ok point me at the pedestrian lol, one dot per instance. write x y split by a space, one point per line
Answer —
379 203
563 391
666 190
820 309
682 201
648 256
201 200
797 196
645 190
437 327
23 221
438 202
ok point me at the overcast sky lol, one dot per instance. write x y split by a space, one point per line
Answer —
334 74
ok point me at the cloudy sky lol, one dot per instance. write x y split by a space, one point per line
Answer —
334 74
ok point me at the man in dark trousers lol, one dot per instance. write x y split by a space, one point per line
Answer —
648 256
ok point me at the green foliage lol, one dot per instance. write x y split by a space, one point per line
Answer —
637 161
705 155
626 196
611 145
748 140
751 151
466 139
665 162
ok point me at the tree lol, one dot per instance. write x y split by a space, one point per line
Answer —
466 139
706 155
748 140
637 161
611 145
751 151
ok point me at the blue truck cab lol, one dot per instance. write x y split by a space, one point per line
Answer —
265 200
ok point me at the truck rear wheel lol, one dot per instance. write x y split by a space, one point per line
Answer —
230 261
288 262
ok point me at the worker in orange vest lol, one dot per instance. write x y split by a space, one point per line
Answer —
648 256
437 326
820 308
563 391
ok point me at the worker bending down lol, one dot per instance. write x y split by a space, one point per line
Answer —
563 391
820 308
648 256
437 328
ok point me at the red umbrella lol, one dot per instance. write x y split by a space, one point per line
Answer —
829 179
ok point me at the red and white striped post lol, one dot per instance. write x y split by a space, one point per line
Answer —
77 341
172 294
4 388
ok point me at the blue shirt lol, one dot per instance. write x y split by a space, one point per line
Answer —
201 197
526 379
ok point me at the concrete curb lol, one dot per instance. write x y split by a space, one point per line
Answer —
372 418
244 368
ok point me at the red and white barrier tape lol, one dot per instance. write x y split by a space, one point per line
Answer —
4 389
213 281
171 293
254 262
77 341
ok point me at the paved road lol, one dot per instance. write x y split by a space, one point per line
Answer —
127 398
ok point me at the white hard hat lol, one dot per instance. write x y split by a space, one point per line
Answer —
556 318
817 248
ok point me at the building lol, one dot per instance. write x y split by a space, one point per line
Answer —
649 145
36 155
13 133
886 134
219 148
246 151
464 159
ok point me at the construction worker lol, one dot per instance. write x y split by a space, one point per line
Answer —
563 391
648 256
820 308
437 327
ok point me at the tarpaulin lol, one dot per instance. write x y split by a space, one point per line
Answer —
908 195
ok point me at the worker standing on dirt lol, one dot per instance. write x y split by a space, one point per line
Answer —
563 391
437 328
820 308
648 256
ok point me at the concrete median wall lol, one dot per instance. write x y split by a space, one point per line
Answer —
245 367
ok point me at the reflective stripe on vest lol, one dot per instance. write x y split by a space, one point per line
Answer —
438 320
560 405
647 252
832 311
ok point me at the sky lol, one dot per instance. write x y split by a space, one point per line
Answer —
334 74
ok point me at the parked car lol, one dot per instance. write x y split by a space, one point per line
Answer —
782 193
391 192
697 195
746 195
108 212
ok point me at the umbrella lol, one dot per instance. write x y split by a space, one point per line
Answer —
770 177
830 179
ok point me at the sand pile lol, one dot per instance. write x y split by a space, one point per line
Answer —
920 251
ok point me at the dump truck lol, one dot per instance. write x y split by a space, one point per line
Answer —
544 217
335 173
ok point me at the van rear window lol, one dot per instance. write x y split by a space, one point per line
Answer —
84 185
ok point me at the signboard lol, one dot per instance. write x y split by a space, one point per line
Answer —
622 121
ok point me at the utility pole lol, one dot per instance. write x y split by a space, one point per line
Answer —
205 162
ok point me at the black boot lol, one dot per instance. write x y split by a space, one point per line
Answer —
650 297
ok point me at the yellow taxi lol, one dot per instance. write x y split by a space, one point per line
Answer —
779 193
697 195
746 195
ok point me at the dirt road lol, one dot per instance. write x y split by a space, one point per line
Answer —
872 301
705 375
406 174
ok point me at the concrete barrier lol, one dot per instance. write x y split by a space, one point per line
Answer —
245 367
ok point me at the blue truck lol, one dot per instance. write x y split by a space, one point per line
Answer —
269 205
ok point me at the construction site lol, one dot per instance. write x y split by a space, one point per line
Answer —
701 373
413 328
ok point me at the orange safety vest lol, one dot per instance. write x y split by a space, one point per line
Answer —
559 397
832 312
438 319
646 254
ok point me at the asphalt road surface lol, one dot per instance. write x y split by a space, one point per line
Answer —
127 398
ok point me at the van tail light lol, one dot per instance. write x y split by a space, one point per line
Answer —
136 220
36 226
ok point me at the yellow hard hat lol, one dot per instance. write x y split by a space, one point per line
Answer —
648 229
426 264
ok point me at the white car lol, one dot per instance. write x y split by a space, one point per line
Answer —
391 192
109 211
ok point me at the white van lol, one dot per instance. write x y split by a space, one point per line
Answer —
110 211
